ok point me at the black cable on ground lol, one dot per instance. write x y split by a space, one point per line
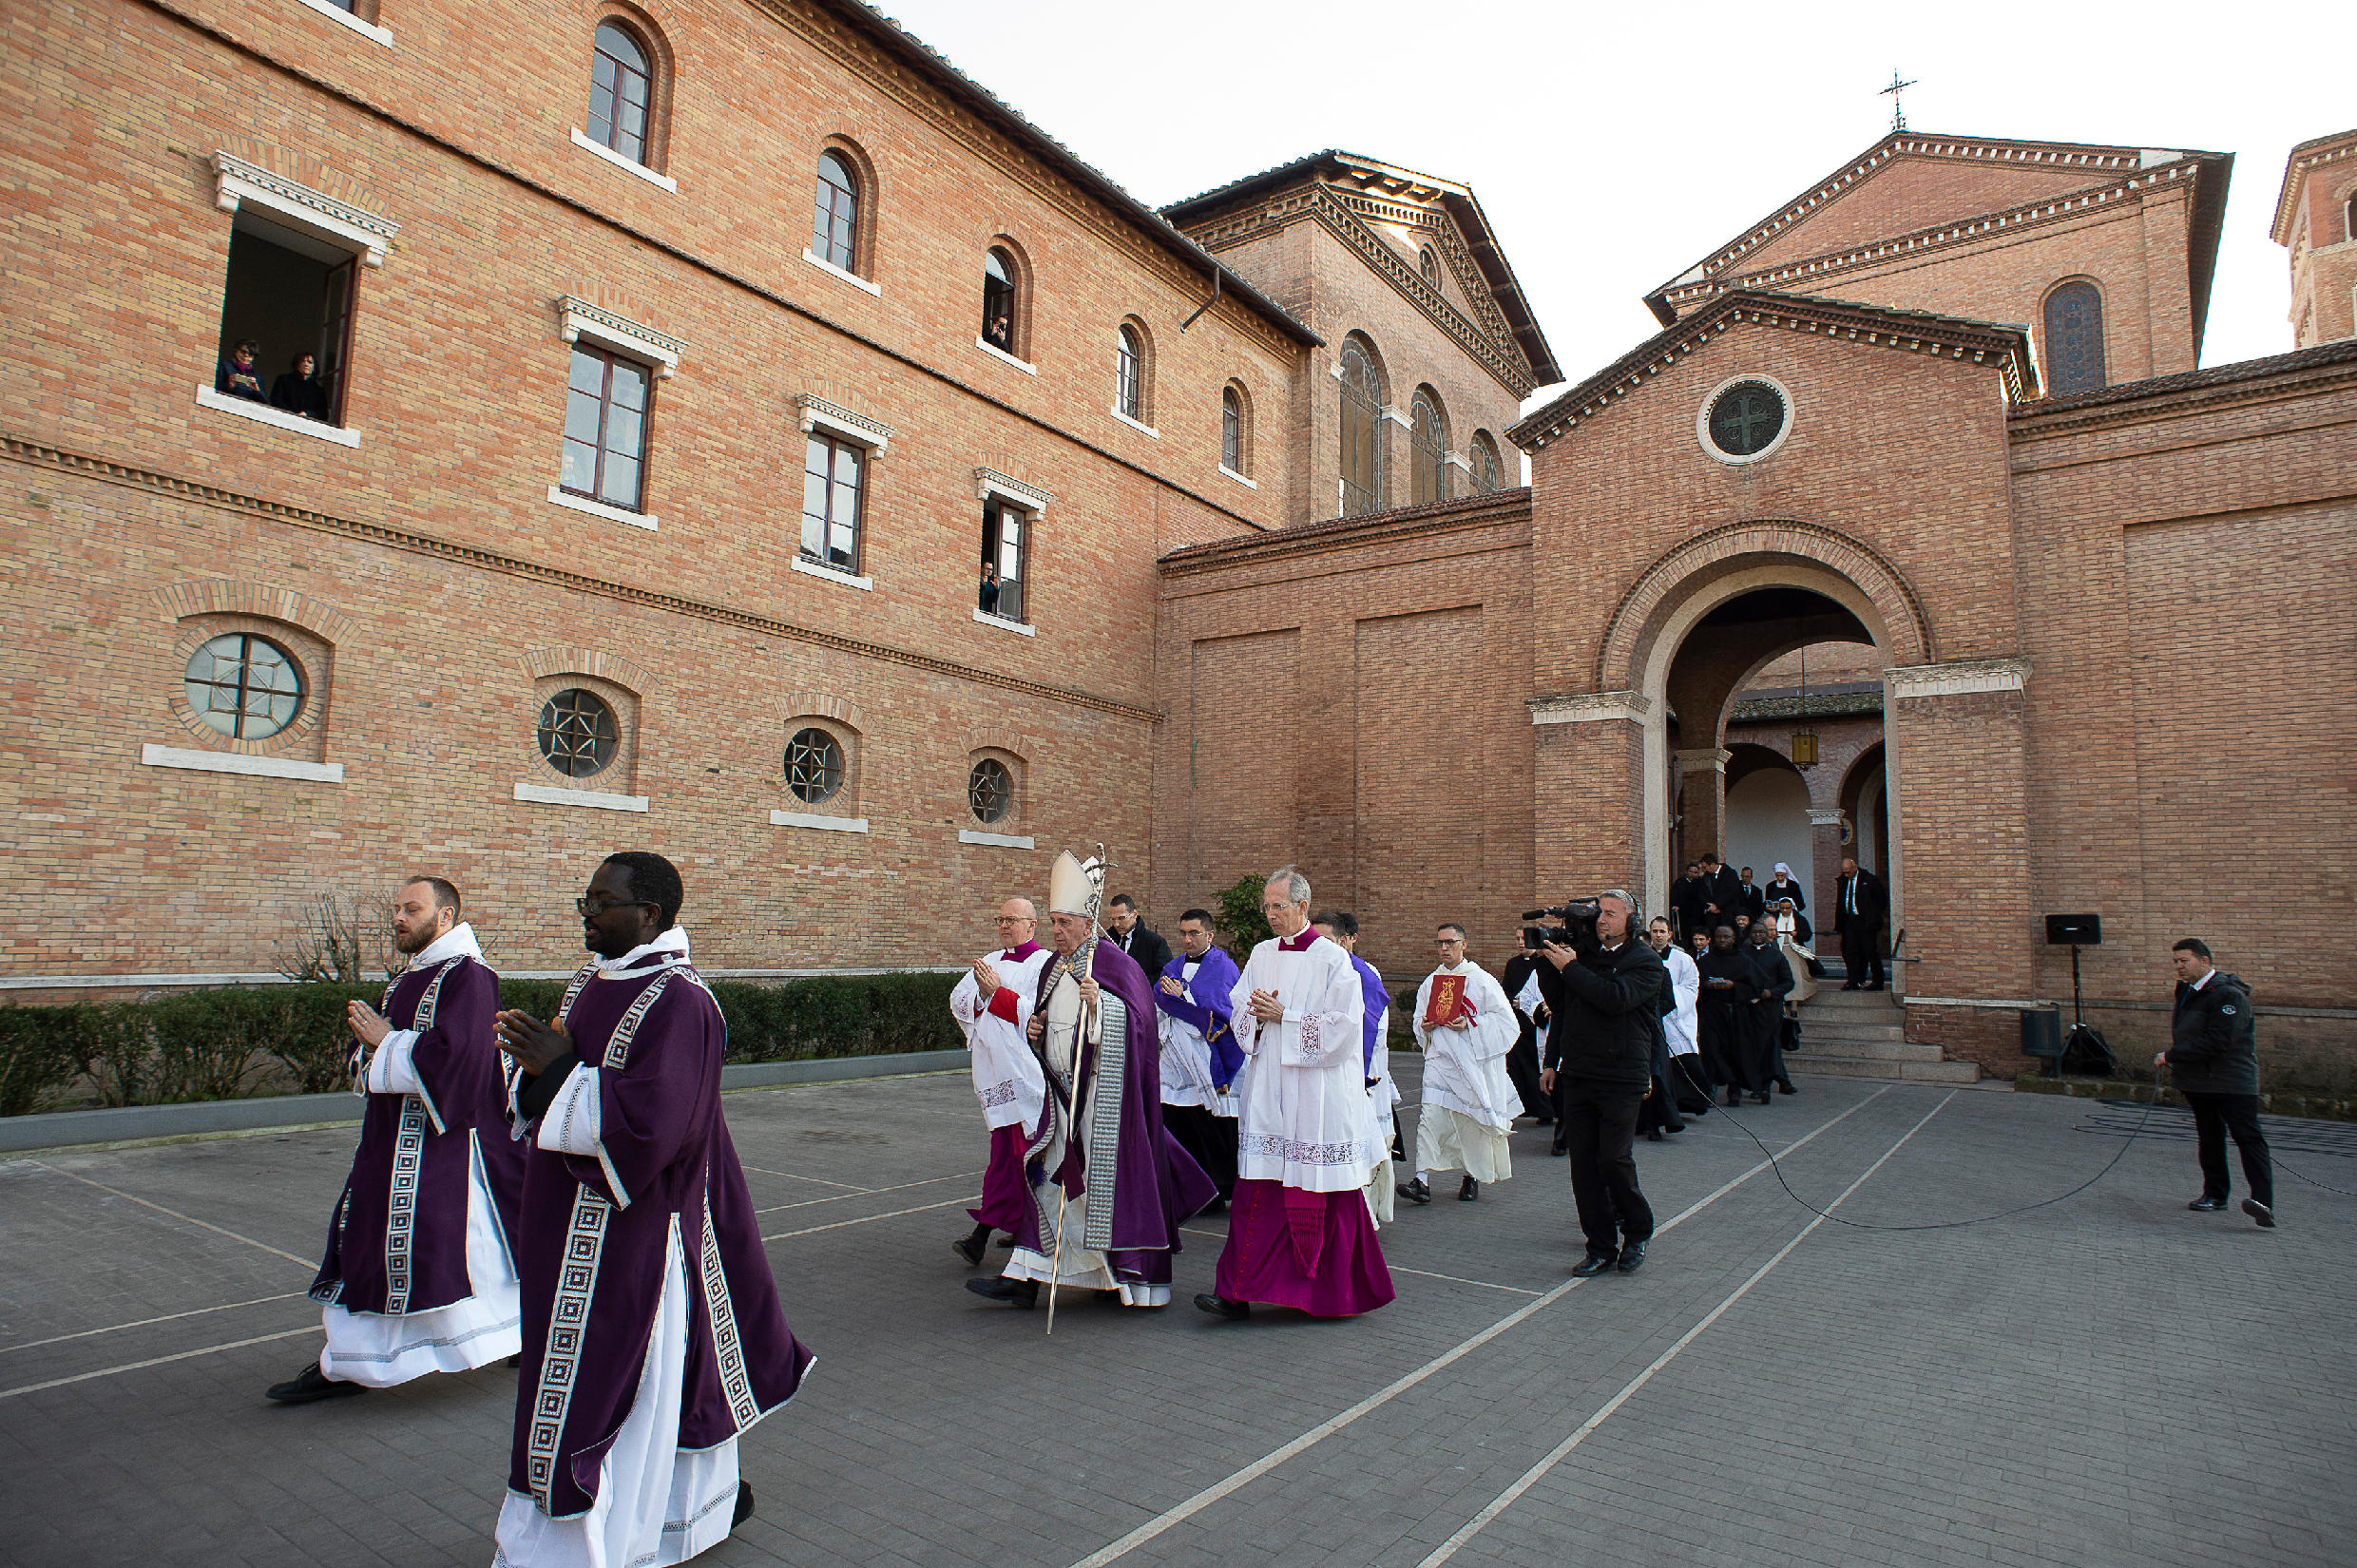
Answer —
1932 1225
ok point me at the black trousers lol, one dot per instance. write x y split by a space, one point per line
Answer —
1600 1122
2214 1115
1862 955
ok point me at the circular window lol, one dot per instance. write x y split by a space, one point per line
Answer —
246 687
1744 419
990 789
578 735
814 765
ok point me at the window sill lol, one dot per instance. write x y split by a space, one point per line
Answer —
629 166
834 574
851 278
1248 484
1005 625
239 762
1003 841
262 414
558 496
548 795
1135 425
815 819
1001 354
366 30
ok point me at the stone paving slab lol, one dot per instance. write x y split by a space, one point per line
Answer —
2109 1380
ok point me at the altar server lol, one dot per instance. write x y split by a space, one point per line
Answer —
1299 1234
992 1005
1340 928
1465 1025
418 1275
1201 1057
652 1334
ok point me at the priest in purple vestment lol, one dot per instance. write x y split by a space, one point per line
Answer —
1108 1184
417 1276
652 1331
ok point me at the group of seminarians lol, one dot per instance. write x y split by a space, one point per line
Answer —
562 1196
1713 894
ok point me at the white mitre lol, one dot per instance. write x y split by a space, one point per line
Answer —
1075 886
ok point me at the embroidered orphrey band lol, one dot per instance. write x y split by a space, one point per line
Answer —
727 1349
409 1161
1106 1095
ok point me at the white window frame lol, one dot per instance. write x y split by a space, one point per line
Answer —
629 166
369 31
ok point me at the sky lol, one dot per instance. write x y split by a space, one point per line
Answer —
1612 146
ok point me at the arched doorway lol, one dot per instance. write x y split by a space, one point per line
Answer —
1766 813
1865 804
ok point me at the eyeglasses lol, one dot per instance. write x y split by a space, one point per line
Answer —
1449 942
593 908
1017 920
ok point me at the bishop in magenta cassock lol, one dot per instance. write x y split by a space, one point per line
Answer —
652 1332
992 1005
1299 1231
417 1276
1107 1184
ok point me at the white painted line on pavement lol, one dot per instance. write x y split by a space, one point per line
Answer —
1172 1517
311 1328
1458 1279
1556 1456
902 1187
309 1263
870 1219
790 1176
168 1317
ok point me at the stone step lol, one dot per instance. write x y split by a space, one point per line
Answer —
1880 1050
1834 997
1911 1072
1814 1030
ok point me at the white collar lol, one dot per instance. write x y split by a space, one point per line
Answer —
2208 975
665 950
455 942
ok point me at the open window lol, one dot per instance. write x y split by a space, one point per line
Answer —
998 301
1005 559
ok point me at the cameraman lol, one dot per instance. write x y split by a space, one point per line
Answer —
1604 991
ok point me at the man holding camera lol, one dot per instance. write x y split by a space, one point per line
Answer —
1605 991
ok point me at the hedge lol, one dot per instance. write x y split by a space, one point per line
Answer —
236 1041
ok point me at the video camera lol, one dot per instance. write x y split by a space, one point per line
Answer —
1579 928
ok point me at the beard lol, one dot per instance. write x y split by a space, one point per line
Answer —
414 942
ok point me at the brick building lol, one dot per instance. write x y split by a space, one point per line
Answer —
681 369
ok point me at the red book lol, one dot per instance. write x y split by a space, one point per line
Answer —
1447 1002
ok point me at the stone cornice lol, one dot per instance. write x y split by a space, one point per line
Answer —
1911 331
1590 708
816 410
1322 204
1467 512
989 482
2306 156
577 318
2302 374
1955 677
108 471
235 181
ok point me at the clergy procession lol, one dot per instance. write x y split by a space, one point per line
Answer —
562 1196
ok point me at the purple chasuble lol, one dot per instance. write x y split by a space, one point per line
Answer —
596 1235
1377 1002
398 1241
1132 1219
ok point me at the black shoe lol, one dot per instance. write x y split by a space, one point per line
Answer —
1876 986
745 1505
1542 1122
1853 986
971 1249
1632 1257
1784 1086
1558 1149
1007 1242
1592 1265
311 1384
1015 1292
2260 1212
1734 1097
1759 1098
1219 1306
1217 1206
1653 1135
1415 1192
1469 1190
2207 1205
515 1361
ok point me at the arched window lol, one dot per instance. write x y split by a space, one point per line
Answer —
1486 470
2348 219
1429 265
622 92
2074 340
1362 431
1129 375
998 301
1230 430
835 221
1431 439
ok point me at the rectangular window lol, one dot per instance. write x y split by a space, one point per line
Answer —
289 298
834 480
1006 548
605 428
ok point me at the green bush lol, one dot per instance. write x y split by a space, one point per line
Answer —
1242 926
235 1041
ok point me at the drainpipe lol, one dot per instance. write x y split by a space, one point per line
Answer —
1216 274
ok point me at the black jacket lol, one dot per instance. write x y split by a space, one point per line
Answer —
2214 1048
301 394
1686 896
1151 952
1754 901
1873 902
1606 1010
1769 892
1725 889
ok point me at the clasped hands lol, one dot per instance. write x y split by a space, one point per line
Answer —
533 1046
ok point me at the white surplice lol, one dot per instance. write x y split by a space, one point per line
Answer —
1681 1026
1006 1076
1383 1098
1469 1100
1302 1119
1186 1055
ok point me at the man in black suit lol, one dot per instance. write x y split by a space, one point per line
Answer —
1131 936
1859 905
1722 894
1686 898
1754 901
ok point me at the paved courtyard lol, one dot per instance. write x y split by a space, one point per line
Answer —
2110 1380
